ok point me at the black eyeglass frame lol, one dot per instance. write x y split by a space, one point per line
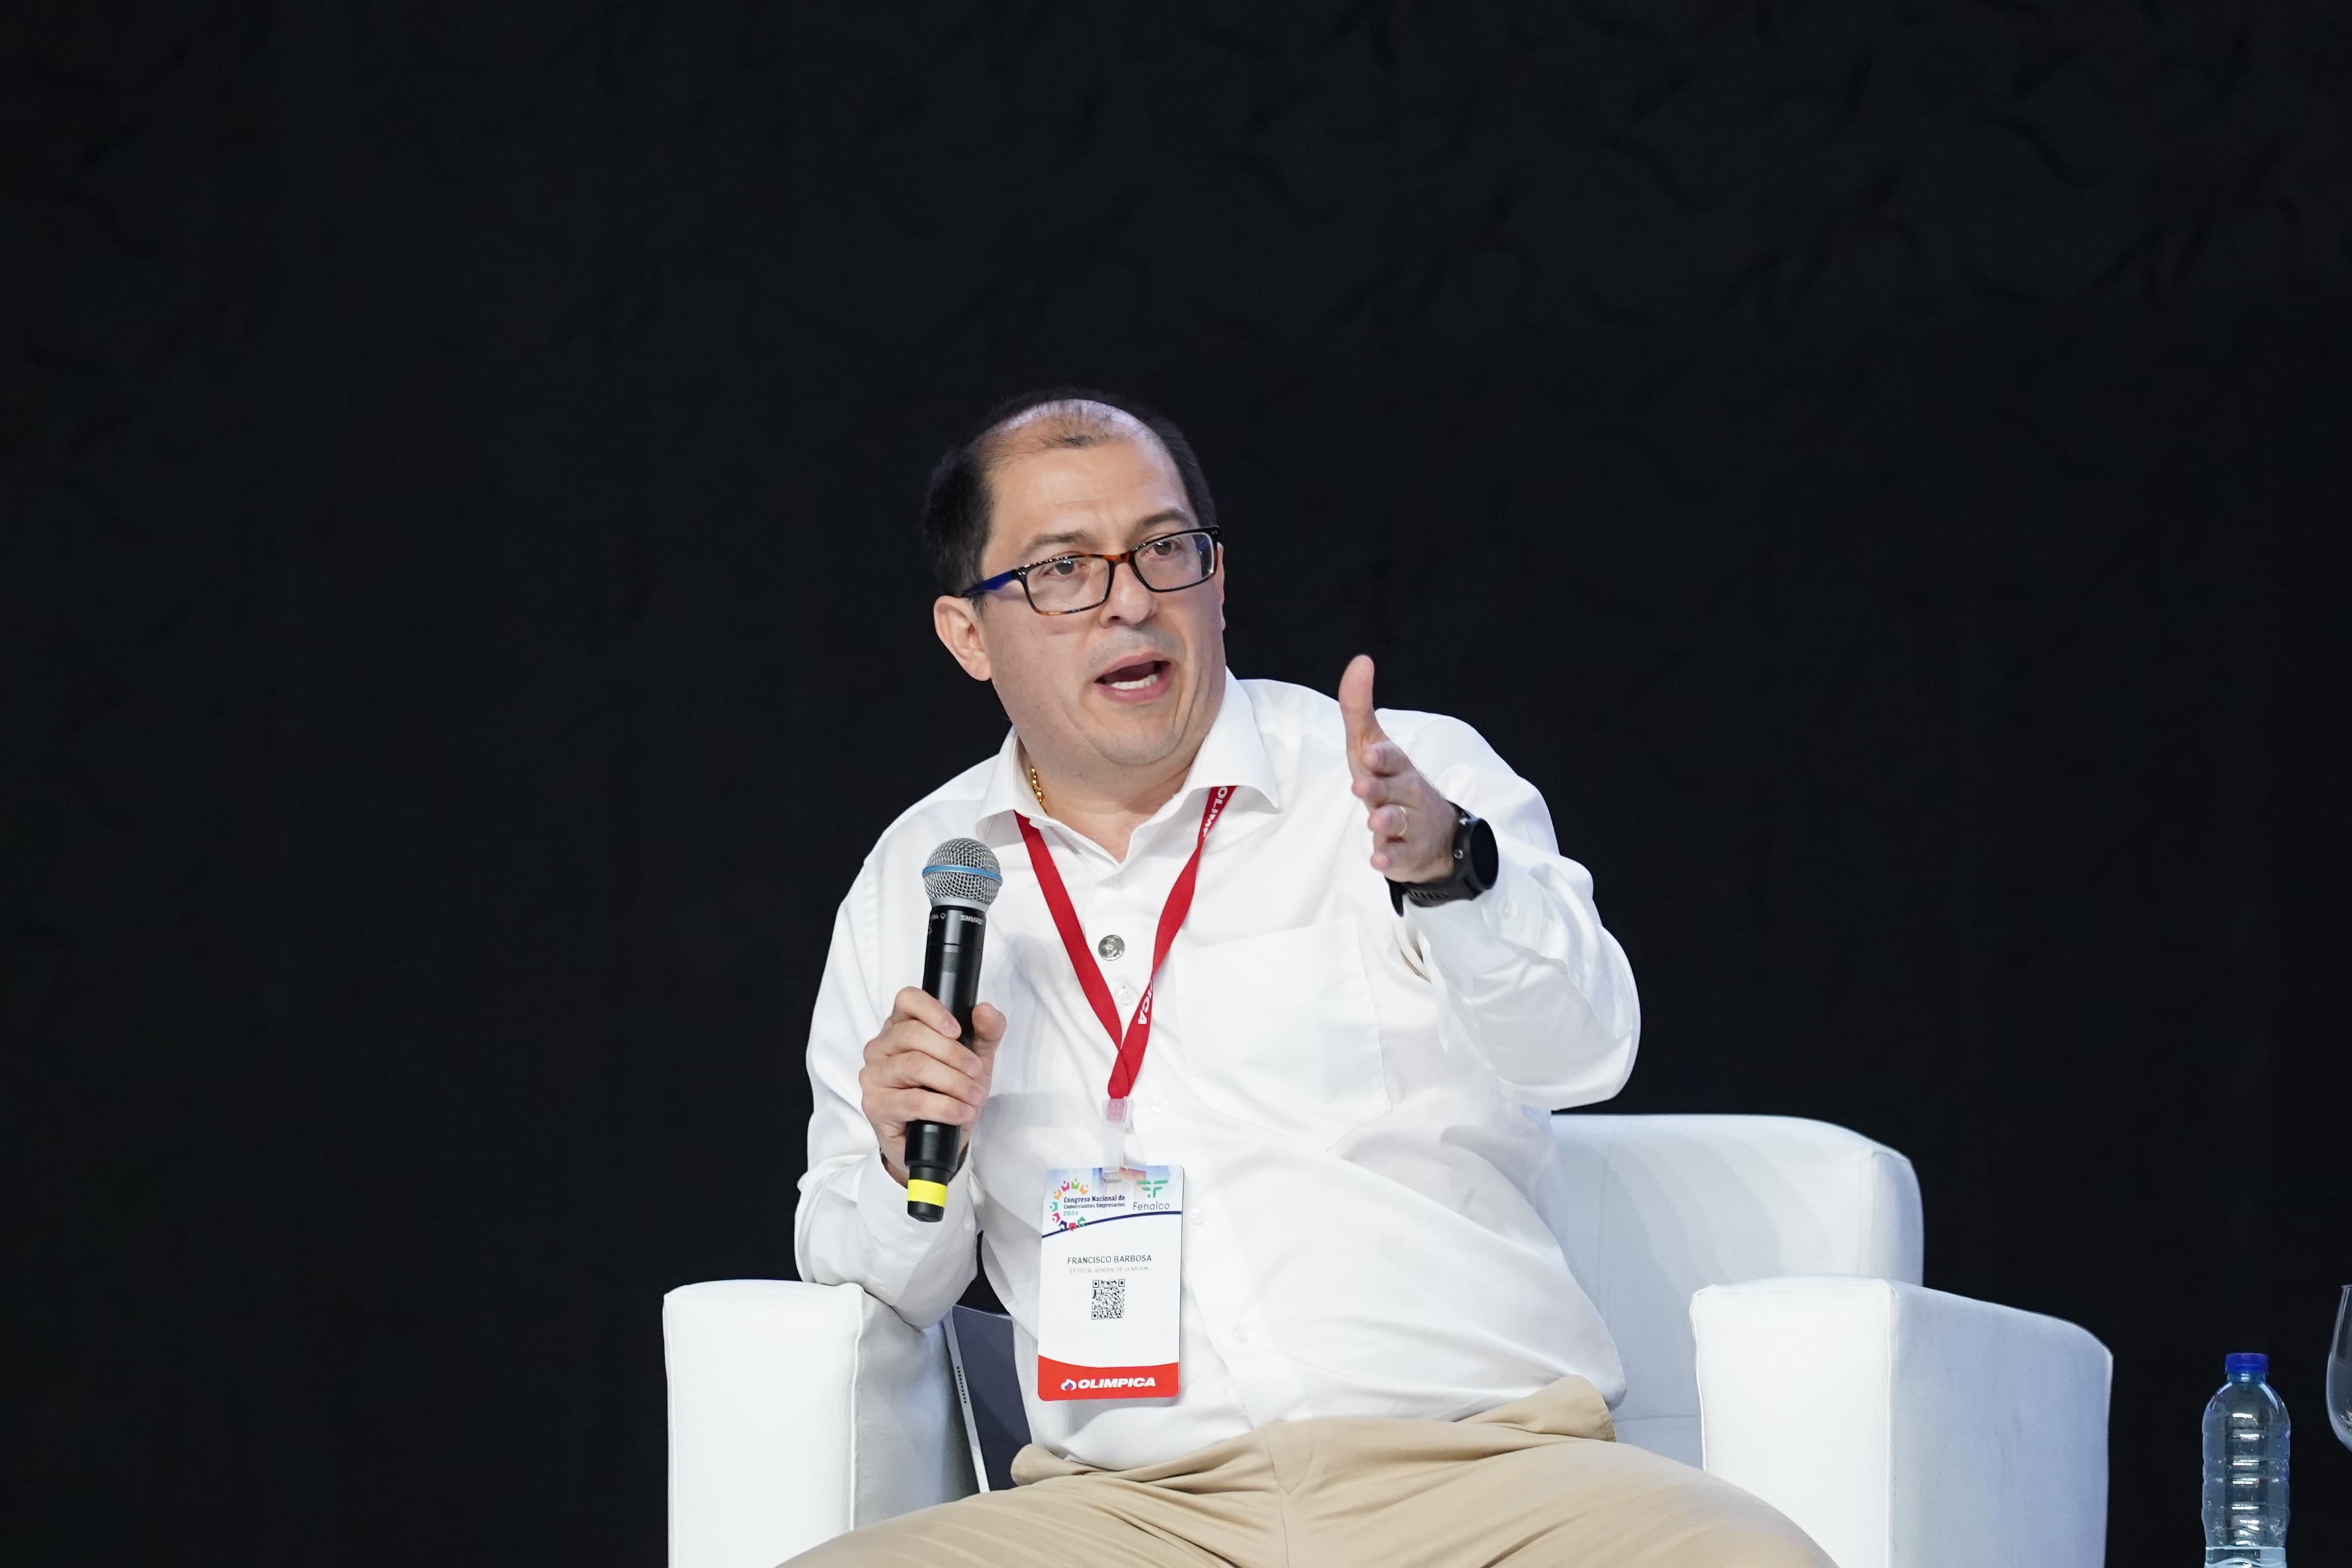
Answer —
1110 578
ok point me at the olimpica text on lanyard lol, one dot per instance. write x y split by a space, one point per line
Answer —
1135 1038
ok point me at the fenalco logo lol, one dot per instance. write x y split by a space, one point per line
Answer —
1072 1384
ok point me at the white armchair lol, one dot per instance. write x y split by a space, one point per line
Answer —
1760 1275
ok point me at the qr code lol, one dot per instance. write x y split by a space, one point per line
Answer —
1110 1300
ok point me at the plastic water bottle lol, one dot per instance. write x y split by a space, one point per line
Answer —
2246 1433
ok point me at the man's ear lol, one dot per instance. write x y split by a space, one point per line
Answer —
957 620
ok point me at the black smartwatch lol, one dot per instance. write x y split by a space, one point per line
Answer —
1477 865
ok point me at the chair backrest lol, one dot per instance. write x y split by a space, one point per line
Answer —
1660 1205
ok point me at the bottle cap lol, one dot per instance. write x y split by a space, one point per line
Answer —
2255 1362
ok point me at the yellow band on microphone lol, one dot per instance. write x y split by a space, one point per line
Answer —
927 1193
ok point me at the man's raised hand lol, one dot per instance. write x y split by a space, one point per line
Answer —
1412 823
917 1070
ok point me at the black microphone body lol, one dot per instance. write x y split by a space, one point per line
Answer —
961 880
952 972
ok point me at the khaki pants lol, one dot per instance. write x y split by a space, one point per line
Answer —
1539 1481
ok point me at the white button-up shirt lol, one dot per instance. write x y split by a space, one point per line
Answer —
1358 1099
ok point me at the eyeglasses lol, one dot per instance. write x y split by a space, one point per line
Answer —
1068 584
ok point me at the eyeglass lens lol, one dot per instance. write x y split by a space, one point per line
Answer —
1082 582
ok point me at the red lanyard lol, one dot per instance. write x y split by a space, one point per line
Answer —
1135 1038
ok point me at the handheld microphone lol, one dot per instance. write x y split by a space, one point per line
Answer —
963 880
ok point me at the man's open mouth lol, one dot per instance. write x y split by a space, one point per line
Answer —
1138 676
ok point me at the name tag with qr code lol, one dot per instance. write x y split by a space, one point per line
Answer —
1108 1282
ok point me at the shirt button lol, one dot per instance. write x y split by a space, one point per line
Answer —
1112 947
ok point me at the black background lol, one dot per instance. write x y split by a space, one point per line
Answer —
1880 471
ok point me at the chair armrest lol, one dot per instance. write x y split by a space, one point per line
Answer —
1900 1426
798 1412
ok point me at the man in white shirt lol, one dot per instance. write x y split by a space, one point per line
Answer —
1380 977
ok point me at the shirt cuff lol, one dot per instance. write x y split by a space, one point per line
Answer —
1474 936
882 1204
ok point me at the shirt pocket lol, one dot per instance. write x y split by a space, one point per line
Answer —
1279 1031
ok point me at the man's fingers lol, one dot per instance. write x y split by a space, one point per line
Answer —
908 1039
917 1070
1377 793
1356 706
1398 804
913 1002
1396 780
896 1108
911 1070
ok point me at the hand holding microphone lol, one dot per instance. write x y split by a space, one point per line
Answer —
925 1074
917 1069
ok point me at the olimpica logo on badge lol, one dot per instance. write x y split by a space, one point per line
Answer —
1071 1385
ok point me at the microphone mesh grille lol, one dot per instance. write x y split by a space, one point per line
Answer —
963 871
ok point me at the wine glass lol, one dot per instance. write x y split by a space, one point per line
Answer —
2339 1373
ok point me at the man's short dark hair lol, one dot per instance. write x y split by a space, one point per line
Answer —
956 503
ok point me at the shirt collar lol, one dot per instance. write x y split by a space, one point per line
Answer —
1231 752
